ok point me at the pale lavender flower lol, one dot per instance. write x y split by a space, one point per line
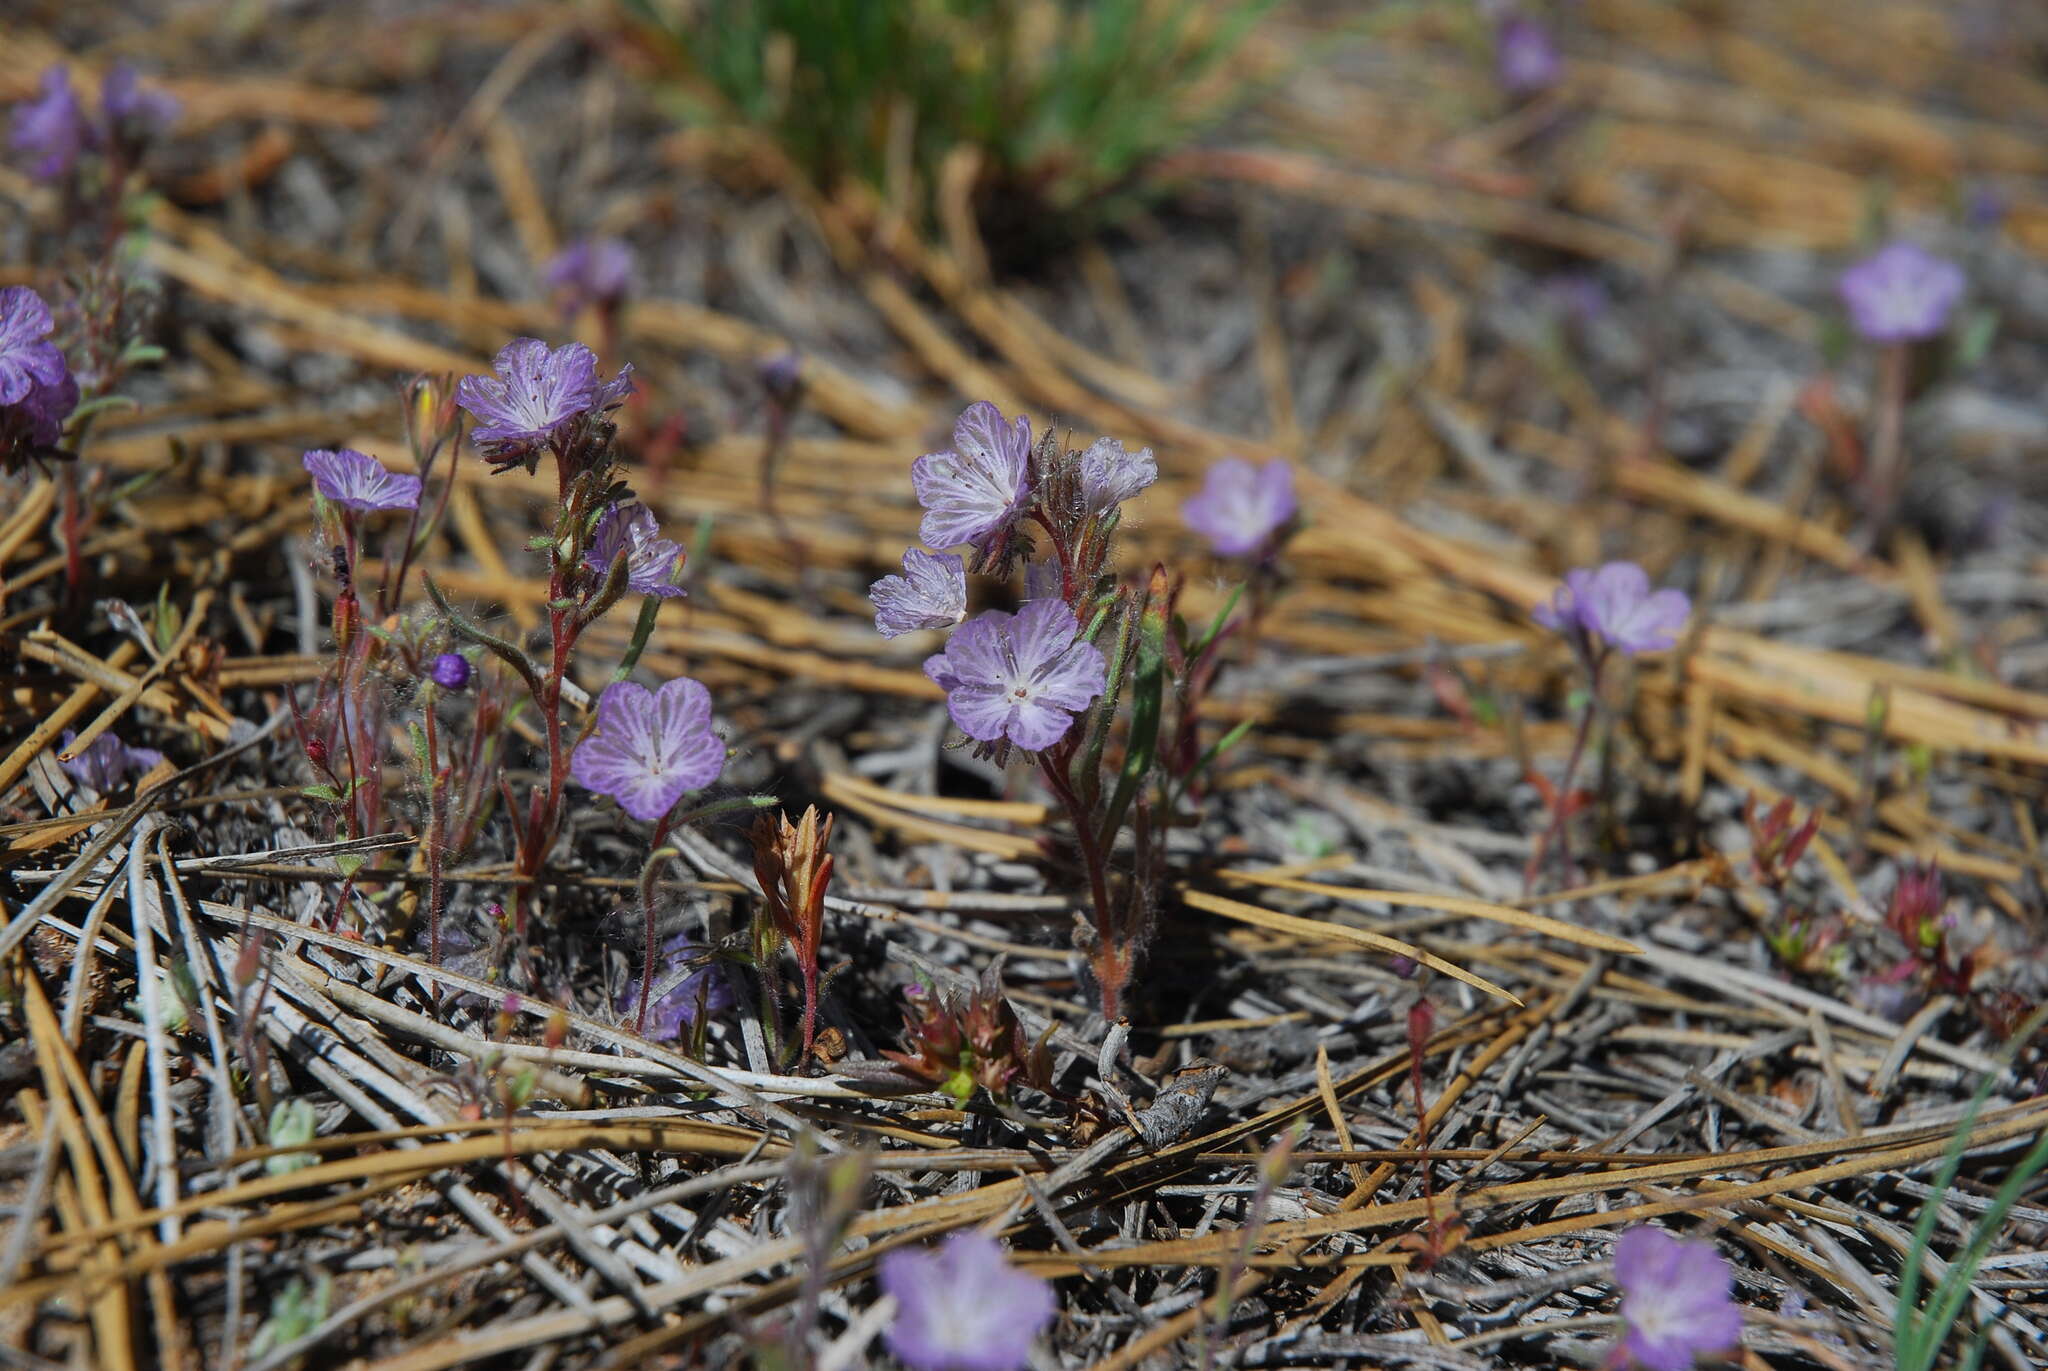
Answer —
1525 58
590 271
676 1009
1901 293
450 671
972 493
651 560
27 358
962 1306
651 747
128 104
931 593
356 480
52 128
1675 1300
1018 676
1044 581
1110 475
1614 604
536 395
106 762
1241 506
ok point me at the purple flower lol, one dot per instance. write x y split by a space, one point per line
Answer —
128 104
106 762
1901 293
450 671
651 747
27 358
677 1008
41 414
651 560
1241 506
1110 475
963 1307
973 492
1018 676
52 128
931 593
590 271
1524 57
1615 605
1675 1299
356 480
536 395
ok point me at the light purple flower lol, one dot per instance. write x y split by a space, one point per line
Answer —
1018 676
931 593
1043 581
53 128
356 480
1241 506
1110 475
651 747
450 671
962 1306
651 560
127 103
1901 293
1675 1299
676 1009
590 271
27 358
1525 58
1615 605
106 762
536 394
974 492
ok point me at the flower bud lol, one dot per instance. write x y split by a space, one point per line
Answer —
450 671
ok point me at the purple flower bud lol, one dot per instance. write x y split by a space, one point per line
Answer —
963 1307
1525 58
52 129
1241 506
356 480
651 747
1615 605
1901 293
106 762
651 560
1110 475
931 593
1675 1300
450 671
1019 677
974 492
590 271
782 376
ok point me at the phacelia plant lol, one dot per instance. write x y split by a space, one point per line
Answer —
1676 1303
1087 648
962 1307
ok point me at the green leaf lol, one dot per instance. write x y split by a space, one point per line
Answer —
321 792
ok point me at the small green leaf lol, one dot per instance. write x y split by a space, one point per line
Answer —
322 792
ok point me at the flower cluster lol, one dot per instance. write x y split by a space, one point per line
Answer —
37 390
1901 293
1676 1303
962 1307
1012 679
55 129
